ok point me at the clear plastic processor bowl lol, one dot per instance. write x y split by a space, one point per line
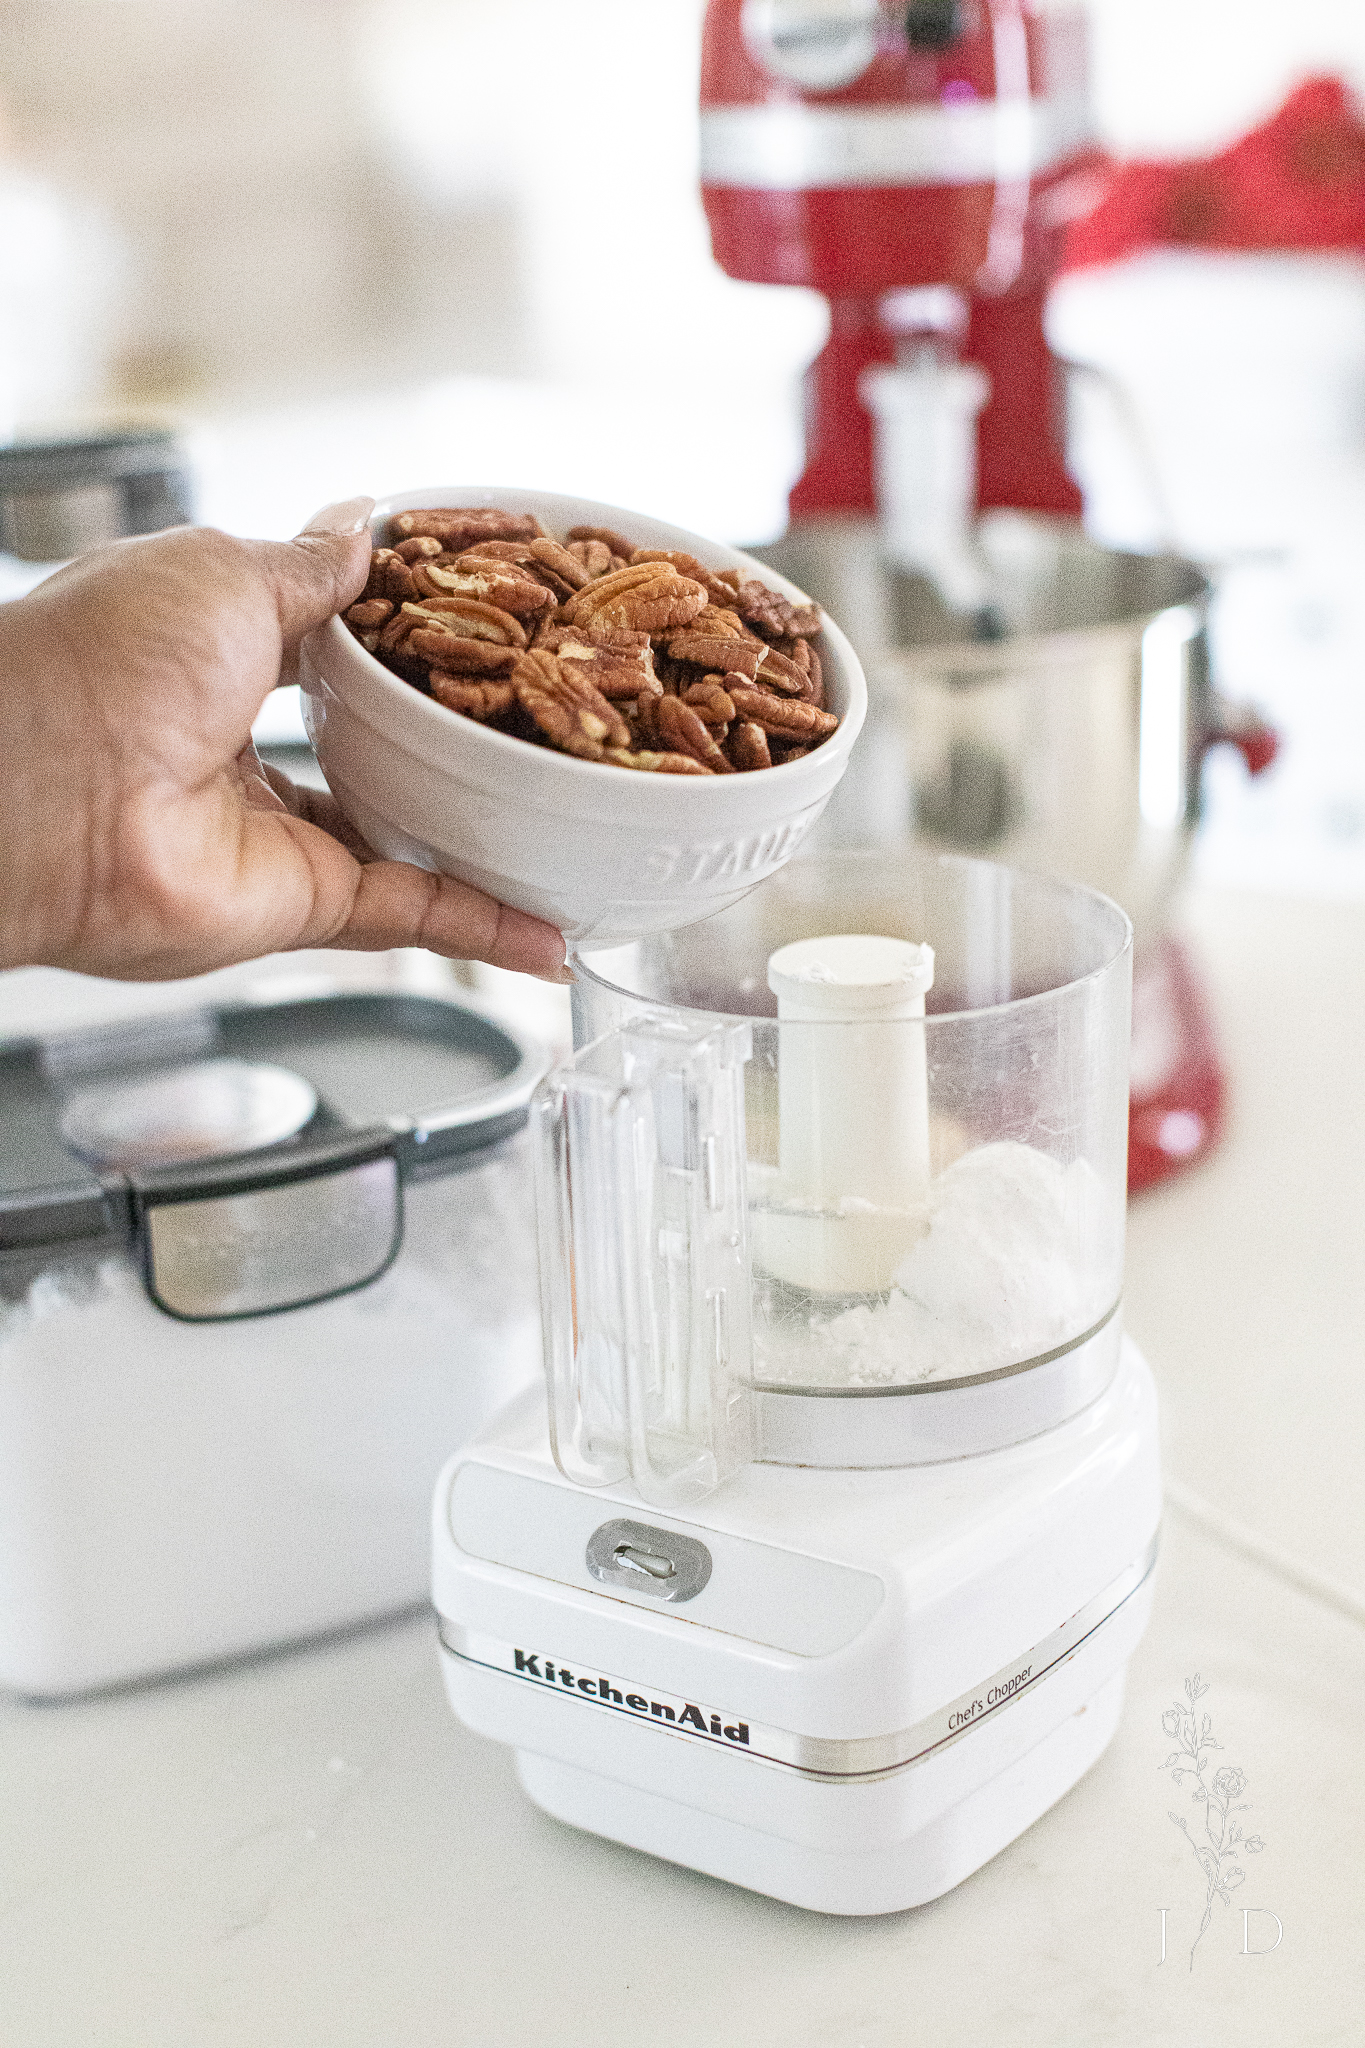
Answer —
602 853
868 1238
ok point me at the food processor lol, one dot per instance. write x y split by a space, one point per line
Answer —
820 1569
1035 698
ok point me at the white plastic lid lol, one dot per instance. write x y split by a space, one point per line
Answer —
205 1111
851 977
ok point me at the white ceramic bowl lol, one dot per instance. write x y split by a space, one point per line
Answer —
603 854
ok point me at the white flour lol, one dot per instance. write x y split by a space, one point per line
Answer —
1005 1272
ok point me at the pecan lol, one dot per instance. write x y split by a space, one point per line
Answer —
536 568
747 747
657 764
567 708
457 655
641 657
550 555
614 541
682 732
716 640
420 550
767 610
460 526
471 619
710 700
646 725
366 617
784 717
687 565
389 577
480 701
594 555
650 597
808 661
777 672
488 582
404 621
516 551
620 667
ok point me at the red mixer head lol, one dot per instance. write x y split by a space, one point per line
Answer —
863 147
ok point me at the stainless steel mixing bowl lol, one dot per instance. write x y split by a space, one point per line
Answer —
1062 731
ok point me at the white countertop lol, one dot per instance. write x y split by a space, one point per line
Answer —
307 1852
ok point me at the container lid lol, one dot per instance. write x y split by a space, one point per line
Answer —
35 467
98 1124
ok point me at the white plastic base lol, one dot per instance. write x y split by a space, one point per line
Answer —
876 1878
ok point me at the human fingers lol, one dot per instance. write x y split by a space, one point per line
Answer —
315 806
398 905
325 896
319 572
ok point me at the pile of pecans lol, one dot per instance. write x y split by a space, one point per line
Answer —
637 656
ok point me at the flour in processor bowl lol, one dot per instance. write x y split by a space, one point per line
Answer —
1004 1273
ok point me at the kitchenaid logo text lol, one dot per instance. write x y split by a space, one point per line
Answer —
676 1713
1003 1689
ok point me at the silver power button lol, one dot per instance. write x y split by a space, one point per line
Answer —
641 1559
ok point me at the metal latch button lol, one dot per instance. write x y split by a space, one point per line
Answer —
635 1560
661 1563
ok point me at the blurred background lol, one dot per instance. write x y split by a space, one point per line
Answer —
348 245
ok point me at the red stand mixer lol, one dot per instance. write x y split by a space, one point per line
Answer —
918 164
862 149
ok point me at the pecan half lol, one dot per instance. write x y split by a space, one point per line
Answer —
405 620
649 598
716 640
535 567
710 700
366 617
471 619
656 763
488 582
768 611
595 556
778 672
808 661
568 709
460 656
687 565
477 700
620 667
747 747
389 577
419 550
782 717
613 541
550 555
459 526
682 732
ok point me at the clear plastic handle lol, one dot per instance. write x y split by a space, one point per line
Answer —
644 1265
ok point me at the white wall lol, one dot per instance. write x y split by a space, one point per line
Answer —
1183 77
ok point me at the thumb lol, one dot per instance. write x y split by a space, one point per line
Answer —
321 571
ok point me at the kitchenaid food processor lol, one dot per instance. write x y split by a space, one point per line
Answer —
821 1569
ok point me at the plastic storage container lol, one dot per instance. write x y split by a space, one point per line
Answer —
261 1270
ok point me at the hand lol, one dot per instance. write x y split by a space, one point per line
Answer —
140 835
